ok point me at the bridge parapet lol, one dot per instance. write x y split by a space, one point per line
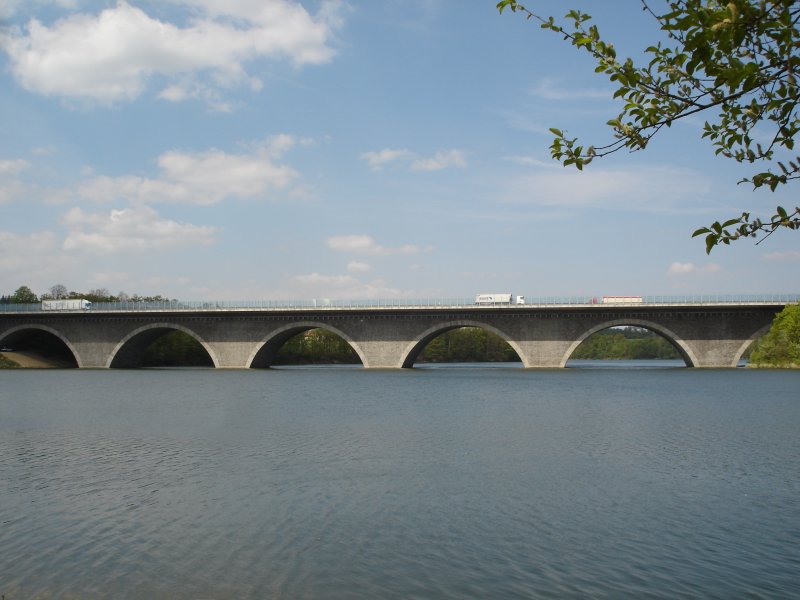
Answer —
410 304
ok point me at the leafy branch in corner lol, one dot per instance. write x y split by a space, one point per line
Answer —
737 60
721 233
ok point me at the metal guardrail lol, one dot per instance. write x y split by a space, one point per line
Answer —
400 303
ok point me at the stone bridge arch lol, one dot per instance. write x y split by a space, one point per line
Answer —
129 350
680 346
413 349
9 334
264 353
746 344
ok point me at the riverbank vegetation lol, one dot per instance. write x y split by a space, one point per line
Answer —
467 344
316 346
176 349
6 363
780 347
625 343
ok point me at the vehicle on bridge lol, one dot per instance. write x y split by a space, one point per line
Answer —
499 299
622 300
71 304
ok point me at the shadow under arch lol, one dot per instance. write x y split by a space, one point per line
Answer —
15 334
263 355
129 351
413 350
750 341
685 353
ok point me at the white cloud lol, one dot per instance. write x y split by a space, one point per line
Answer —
43 150
9 192
196 178
377 160
787 256
342 287
331 280
548 89
355 266
36 260
530 161
11 188
197 91
110 279
441 160
110 56
130 229
12 167
19 250
276 146
644 189
365 244
523 121
678 269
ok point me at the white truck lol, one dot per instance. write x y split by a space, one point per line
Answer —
622 300
71 304
499 299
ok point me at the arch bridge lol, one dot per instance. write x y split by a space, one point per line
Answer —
705 334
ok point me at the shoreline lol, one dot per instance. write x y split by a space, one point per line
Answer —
29 360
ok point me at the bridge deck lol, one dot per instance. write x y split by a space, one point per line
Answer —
554 303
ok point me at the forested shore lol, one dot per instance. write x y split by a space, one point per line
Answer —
780 347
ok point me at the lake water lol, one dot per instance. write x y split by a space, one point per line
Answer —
332 483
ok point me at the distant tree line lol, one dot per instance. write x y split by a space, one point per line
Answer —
25 295
316 346
468 344
176 349
625 343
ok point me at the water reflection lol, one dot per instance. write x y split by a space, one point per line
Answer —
443 481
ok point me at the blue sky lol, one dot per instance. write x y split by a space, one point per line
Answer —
274 149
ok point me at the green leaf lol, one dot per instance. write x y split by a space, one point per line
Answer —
711 241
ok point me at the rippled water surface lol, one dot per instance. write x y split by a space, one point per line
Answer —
428 483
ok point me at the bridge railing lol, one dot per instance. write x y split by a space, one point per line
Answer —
367 303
